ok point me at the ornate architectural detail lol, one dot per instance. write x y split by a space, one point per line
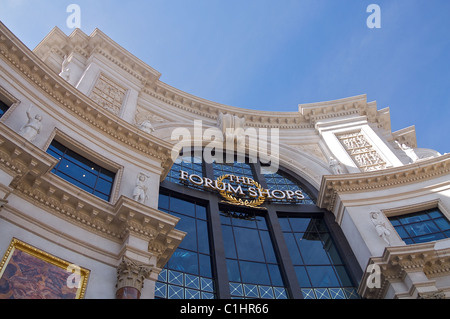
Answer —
108 94
130 273
232 127
362 152
312 149
33 126
391 177
432 295
140 190
380 227
144 120
335 166
397 262
65 70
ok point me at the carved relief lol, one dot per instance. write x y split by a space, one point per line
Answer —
312 149
145 120
108 94
362 152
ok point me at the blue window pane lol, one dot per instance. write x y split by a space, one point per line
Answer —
103 186
3 108
163 202
293 249
343 276
187 224
299 224
184 261
302 276
228 241
442 223
254 273
401 231
248 244
205 265
284 224
233 270
201 212
203 237
322 276
182 206
275 275
268 247
81 172
428 238
311 248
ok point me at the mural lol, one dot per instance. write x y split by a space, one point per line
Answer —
29 273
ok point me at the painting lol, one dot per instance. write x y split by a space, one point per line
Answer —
30 273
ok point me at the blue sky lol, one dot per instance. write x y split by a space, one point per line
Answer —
275 55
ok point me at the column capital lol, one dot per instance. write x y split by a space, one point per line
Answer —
131 274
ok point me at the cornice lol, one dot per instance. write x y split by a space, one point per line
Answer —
39 74
424 170
307 116
96 42
32 181
397 261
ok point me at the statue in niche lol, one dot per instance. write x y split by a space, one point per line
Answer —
146 126
380 227
140 190
335 166
65 71
409 151
33 126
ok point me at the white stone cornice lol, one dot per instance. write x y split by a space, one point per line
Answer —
39 74
397 262
332 185
32 181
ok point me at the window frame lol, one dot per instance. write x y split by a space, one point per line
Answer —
87 153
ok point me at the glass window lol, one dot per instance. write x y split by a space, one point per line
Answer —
190 164
3 108
420 227
283 182
81 172
253 269
188 274
317 263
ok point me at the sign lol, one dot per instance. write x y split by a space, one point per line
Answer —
241 190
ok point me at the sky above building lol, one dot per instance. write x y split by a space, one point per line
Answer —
277 54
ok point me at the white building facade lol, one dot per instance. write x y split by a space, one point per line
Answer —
95 205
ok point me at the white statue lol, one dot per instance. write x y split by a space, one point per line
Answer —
335 166
147 126
409 151
140 190
65 71
380 227
32 128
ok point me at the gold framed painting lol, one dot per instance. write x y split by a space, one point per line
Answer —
27 272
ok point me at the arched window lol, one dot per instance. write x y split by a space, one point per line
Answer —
281 248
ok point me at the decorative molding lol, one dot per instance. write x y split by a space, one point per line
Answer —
108 94
361 151
32 181
39 74
332 185
397 262
131 273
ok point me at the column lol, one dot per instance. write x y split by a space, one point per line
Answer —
130 278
